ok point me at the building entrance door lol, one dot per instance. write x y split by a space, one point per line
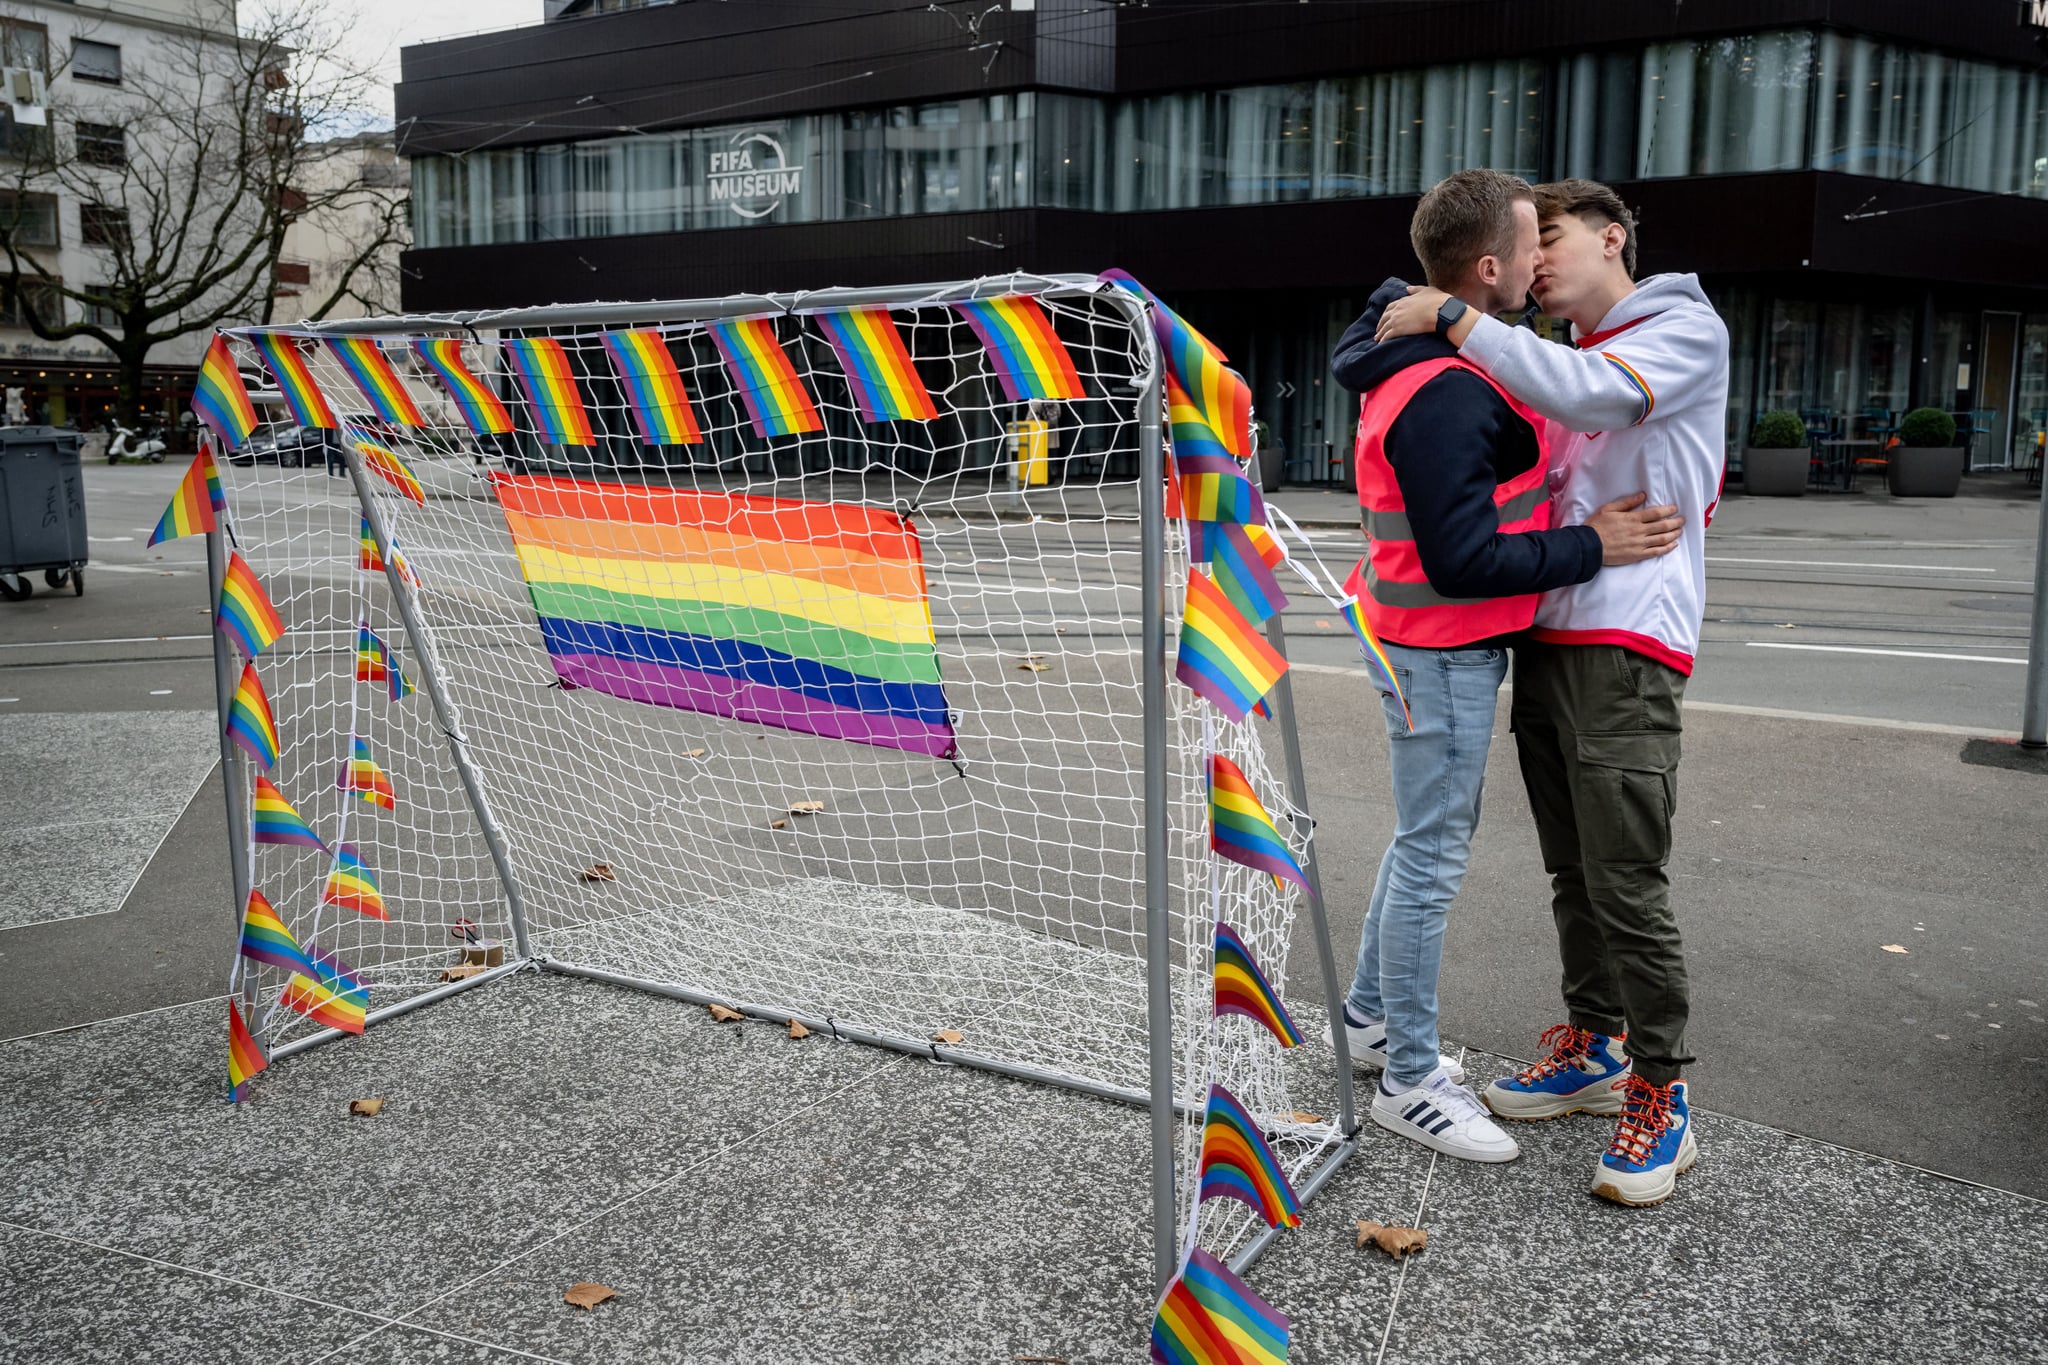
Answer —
1992 449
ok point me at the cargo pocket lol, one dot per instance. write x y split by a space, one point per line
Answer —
1627 794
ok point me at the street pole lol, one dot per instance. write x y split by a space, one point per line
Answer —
2034 719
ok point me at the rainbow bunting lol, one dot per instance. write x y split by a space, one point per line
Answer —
361 775
1217 394
1242 571
245 1058
193 505
219 398
654 389
1028 356
370 561
1211 1317
775 399
1241 988
481 408
1375 652
878 370
351 886
244 613
329 993
400 686
803 615
250 723
1222 656
1237 1164
371 373
274 821
385 465
544 372
372 659
294 379
1213 492
265 938
1239 828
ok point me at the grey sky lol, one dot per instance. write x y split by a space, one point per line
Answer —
388 25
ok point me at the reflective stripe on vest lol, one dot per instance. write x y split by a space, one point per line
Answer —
1388 524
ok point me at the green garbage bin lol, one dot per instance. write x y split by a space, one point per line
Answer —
42 510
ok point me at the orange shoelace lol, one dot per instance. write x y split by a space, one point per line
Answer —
1567 1045
1645 1115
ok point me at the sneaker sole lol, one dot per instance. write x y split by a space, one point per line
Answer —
1687 1159
1561 1107
1435 1143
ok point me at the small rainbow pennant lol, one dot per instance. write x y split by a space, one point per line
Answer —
250 723
245 1058
885 384
1239 828
1211 1317
1237 1164
294 380
481 408
1029 359
379 460
265 938
370 561
654 389
368 369
1374 651
244 613
544 372
361 775
1222 656
274 821
351 885
193 506
334 995
1238 562
1220 395
774 397
372 659
1241 988
219 398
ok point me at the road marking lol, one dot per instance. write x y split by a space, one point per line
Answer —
1888 653
116 640
161 692
107 540
1848 564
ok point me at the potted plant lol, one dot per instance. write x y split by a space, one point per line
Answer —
1774 465
1927 462
1272 457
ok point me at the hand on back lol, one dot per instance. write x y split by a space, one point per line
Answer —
1630 532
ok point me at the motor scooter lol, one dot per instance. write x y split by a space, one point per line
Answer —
128 445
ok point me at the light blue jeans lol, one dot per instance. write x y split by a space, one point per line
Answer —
1439 772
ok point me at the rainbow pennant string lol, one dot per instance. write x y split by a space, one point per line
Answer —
294 380
371 373
1237 1164
351 885
1028 356
885 384
480 407
361 775
245 1058
372 659
219 398
1238 561
250 723
193 505
1222 656
1217 394
1239 828
654 389
388 467
1241 988
370 561
244 613
274 821
1374 651
1211 1317
334 996
544 372
775 399
265 938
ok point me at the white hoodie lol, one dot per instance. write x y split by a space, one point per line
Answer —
1643 403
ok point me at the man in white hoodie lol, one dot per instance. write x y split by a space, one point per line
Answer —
1641 398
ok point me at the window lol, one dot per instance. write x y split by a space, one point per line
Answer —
100 314
30 219
24 45
102 144
22 141
92 61
102 225
40 297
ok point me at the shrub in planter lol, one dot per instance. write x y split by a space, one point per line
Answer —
1926 463
1775 462
1927 428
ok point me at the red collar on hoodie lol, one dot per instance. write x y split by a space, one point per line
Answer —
1592 339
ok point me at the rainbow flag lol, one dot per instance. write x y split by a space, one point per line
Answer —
274 821
654 389
1238 562
767 383
250 723
884 382
368 560
1237 1164
193 505
379 460
265 938
1375 652
329 993
544 372
1195 364
361 775
1239 828
351 885
480 407
244 612
806 616
219 398
1241 988
1027 355
371 373
1211 1317
1214 492
372 659
294 380
245 1058
1222 656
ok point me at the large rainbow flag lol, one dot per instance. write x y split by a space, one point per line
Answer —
807 616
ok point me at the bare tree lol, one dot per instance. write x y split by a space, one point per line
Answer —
187 177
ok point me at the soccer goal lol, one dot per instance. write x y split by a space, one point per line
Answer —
807 656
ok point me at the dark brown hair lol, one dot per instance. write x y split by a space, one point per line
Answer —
1593 204
1463 217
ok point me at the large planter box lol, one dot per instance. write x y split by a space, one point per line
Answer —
1775 473
1925 471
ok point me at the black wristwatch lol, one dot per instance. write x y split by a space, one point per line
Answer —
1447 316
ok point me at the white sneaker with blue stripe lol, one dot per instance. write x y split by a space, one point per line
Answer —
1368 1039
1444 1116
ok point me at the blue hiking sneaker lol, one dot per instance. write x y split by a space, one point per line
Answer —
1652 1146
1585 1073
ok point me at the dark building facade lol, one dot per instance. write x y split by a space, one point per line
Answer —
1862 184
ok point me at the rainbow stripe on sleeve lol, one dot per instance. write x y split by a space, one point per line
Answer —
870 348
220 399
480 407
544 372
1029 359
654 389
774 397
371 373
294 379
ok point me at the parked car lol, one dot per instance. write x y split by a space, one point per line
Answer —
291 448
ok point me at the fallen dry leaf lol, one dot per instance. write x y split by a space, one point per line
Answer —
368 1109
463 972
1030 667
1393 1239
726 1016
1894 948
948 1035
806 807
797 1030
1321 624
600 872
693 753
588 1294
1303 1116
778 824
